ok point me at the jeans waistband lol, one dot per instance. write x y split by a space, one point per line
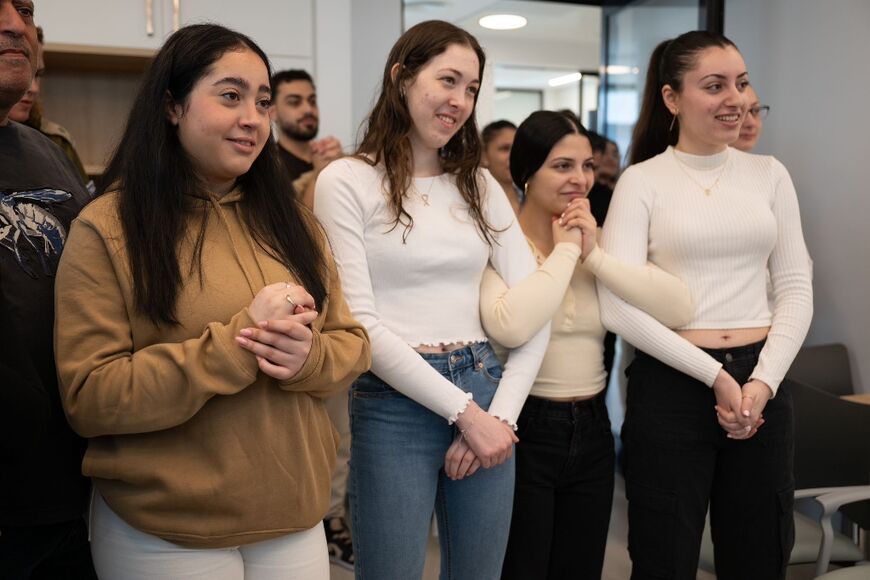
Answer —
538 406
473 355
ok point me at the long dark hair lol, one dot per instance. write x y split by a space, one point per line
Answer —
389 124
154 176
668 65
535 138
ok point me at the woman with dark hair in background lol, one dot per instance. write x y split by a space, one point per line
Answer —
719 219
565 458
413 222
497 139
201 323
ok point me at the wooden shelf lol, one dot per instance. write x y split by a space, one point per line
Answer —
102 59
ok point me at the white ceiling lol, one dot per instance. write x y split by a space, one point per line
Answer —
550 21
558 38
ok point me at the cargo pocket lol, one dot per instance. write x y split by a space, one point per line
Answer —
652 520
786 526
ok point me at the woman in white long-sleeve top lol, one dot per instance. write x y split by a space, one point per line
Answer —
565 458
413 222
720 219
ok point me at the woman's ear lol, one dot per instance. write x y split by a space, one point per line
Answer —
173 110
671 98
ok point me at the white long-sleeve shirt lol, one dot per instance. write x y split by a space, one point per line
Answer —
424 290
720 245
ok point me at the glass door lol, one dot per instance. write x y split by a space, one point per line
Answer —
630 31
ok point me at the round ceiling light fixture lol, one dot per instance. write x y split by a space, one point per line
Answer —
502 21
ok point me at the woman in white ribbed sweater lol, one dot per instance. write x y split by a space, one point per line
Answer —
719 219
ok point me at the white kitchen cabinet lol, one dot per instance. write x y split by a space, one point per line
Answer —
283 28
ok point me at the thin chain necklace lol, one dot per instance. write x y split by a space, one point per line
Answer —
707 190
425 196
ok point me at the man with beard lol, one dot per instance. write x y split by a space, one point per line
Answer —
296 115
43 494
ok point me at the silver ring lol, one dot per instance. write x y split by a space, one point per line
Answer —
290 300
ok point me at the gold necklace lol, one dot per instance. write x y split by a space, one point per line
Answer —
707 190
425 196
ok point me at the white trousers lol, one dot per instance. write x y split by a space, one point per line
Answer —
122 552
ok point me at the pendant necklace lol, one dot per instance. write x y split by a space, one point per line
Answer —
425 196
707 190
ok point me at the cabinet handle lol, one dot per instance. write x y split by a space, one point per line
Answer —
176 15
149 17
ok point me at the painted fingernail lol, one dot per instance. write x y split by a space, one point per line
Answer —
745 413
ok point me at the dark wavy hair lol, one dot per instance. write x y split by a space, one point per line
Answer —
535 138
490 131
154 177
389 124
668 65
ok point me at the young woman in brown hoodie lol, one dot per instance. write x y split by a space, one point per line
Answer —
200 323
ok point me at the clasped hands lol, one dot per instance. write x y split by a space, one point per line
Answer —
738 410
483 441
282 337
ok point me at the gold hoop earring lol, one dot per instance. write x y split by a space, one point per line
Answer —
673 120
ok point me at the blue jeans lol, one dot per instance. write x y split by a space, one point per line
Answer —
397 479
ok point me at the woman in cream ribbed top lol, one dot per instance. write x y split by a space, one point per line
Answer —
566 449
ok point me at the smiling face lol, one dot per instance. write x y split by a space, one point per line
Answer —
224 123
18 49
566 174
711 102
441 98
752 125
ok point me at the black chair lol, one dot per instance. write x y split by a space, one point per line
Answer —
832 451
824 366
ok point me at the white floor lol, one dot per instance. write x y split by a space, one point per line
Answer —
617 565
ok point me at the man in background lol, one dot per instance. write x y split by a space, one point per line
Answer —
43 494
29 112
297 119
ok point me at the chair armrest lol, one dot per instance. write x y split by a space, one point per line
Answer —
815 492
831 502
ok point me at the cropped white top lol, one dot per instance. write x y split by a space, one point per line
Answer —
721 245
425 289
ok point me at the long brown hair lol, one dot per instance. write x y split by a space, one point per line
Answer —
386 139
668 65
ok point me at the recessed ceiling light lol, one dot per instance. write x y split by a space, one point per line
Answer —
565 79
502 21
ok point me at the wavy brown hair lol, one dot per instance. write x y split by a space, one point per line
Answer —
386 139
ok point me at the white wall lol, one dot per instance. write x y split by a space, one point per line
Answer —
375 27
809 61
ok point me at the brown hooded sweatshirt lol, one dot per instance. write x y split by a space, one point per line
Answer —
188 440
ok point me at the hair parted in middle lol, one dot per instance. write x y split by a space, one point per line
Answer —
535 138
668 65
386 139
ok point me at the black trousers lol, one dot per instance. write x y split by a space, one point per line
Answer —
563 493
47 552
678 459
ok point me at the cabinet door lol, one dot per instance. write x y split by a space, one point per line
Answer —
115 23
282 29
